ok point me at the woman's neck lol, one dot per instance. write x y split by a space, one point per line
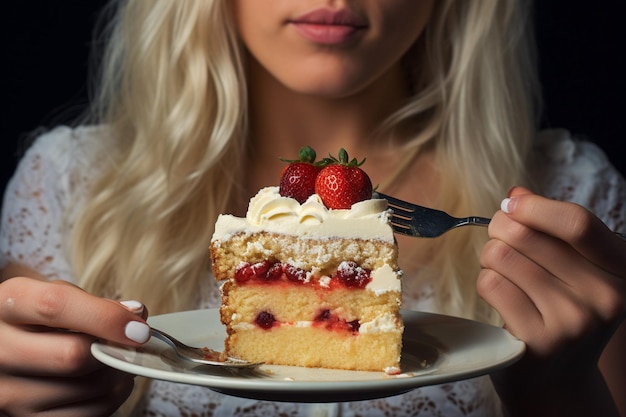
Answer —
282 120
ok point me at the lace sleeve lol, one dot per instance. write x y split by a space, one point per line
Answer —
34 203
578 171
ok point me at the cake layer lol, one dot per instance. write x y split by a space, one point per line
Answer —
310 254
317 347
295 303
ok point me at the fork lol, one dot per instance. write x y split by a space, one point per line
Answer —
418 221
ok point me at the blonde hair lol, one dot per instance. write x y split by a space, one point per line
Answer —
172 91
173 94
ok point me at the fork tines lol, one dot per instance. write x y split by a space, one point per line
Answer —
402 215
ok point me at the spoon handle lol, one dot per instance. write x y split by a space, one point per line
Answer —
203 356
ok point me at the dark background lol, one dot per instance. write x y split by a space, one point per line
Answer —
47 43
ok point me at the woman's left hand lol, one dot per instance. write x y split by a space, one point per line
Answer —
557 276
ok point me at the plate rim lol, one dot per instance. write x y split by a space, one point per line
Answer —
262 387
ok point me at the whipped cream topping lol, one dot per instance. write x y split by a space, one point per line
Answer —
269 211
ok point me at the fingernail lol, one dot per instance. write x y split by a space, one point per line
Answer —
134 306
508 205
137 331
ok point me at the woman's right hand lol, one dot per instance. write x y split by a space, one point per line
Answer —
46 367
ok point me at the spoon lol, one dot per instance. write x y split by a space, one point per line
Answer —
203 356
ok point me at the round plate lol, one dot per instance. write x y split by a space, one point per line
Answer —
436 349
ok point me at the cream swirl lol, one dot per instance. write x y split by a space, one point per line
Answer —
269 205
270 211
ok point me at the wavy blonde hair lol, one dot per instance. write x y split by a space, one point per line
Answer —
477 88
172 91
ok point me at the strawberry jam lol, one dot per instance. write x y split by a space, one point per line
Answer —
352 275
331 321
348 275
265 320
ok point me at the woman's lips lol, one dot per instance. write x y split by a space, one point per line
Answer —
328 27
325 34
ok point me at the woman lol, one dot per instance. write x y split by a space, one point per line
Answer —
198 99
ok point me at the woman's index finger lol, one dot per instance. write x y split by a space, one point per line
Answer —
569 222
27 301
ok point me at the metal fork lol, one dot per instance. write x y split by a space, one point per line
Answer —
417 221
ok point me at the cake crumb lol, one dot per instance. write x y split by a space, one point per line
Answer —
392 370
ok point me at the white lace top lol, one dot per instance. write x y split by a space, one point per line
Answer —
59 166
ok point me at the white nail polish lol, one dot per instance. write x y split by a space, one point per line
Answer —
134 306
137 331
504 205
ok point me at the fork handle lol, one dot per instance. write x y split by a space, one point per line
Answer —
474 220
484 221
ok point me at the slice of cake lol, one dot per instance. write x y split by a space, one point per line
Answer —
308 285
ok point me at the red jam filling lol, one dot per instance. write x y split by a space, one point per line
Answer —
324 319
331 321
265 320
348 275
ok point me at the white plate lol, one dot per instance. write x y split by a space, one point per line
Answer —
437 349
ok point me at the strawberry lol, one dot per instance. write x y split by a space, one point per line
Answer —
341 182
297 179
